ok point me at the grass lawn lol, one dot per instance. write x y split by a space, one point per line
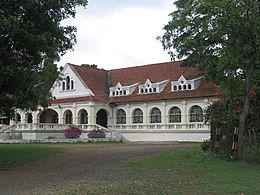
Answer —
12 155
189 172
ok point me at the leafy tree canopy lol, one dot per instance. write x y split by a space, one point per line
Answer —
222 38
31 38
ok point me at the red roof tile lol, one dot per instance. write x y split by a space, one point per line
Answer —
153 72
99 81
71 100
96 79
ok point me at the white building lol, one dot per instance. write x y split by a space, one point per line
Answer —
157 102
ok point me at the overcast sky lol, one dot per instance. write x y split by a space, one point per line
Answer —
119 33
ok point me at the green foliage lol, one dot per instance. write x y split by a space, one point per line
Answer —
30 36
206 145
221 38
12 155
90 65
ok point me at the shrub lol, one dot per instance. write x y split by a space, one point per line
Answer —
97 133
72 132
205 145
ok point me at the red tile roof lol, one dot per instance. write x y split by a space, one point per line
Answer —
96 79
71 100
153 72
99 81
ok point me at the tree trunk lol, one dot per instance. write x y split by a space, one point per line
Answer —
244 112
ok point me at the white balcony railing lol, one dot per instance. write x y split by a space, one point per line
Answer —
189 126
117 127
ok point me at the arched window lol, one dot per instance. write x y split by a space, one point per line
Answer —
189 86
142 90
137 116
63 86
196 114
184 87
174 87
68 83
179 87
72 84
154 90
120 116
155 116
175 115
150 90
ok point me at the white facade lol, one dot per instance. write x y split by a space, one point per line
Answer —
150 120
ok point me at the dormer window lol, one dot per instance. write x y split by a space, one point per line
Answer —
183 84
150 87
68 84
120 90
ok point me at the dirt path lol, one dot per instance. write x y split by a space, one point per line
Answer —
78 164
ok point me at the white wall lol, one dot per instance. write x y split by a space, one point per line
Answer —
80 89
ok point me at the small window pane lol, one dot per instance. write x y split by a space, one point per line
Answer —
155 116
196 114
175 115
137 116
121 116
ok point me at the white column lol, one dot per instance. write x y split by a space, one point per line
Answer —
61 119
74 114
164 120
92 117
128 115
146 115
34 115
23 119
184 118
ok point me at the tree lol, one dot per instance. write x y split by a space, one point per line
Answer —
31 35
221 37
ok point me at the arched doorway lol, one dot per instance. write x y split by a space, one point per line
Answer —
102 118
67 117
17 118
83 116
49 116
29 118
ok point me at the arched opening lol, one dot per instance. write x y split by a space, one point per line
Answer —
120 117
175 115
68 83
196 114
102 118
17 118
29 118
83 116
67 117
155 116
49 116
137 116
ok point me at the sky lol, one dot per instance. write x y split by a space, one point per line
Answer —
119 33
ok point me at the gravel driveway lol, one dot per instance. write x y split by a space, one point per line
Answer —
78 164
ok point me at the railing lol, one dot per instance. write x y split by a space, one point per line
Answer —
121 127
52 126
190 126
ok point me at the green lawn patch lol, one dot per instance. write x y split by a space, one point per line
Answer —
187 172
12 155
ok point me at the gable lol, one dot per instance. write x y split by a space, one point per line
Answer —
71 85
